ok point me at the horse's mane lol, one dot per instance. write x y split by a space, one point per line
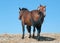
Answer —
24 9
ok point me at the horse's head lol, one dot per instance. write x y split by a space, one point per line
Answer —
42 9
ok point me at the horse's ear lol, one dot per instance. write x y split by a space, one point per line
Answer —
19 8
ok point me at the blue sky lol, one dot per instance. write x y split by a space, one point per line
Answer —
9 12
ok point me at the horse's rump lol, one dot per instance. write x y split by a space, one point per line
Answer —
26 17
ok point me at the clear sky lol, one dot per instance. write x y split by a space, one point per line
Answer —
9 12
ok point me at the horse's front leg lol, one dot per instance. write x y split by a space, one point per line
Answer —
38 32
23 31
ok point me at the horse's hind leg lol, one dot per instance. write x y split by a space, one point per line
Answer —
23 31
33 32
29 30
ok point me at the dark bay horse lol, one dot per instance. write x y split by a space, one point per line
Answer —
26 20
33 18
37 17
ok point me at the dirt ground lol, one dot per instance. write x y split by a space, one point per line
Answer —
16 38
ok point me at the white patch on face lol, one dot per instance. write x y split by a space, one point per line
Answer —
44 13
44 9
38 8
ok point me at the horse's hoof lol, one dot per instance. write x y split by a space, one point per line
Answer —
22 37
38 39
29 36
33 36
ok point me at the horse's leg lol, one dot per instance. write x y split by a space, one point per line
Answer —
38 32
23 31
33 31
29 30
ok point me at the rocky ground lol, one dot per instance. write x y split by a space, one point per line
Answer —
16 38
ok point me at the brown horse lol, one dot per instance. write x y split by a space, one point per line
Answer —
26 20
33 18
37 18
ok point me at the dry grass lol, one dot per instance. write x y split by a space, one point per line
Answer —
16 38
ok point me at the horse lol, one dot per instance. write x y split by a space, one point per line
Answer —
26 20
33 18
37 17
